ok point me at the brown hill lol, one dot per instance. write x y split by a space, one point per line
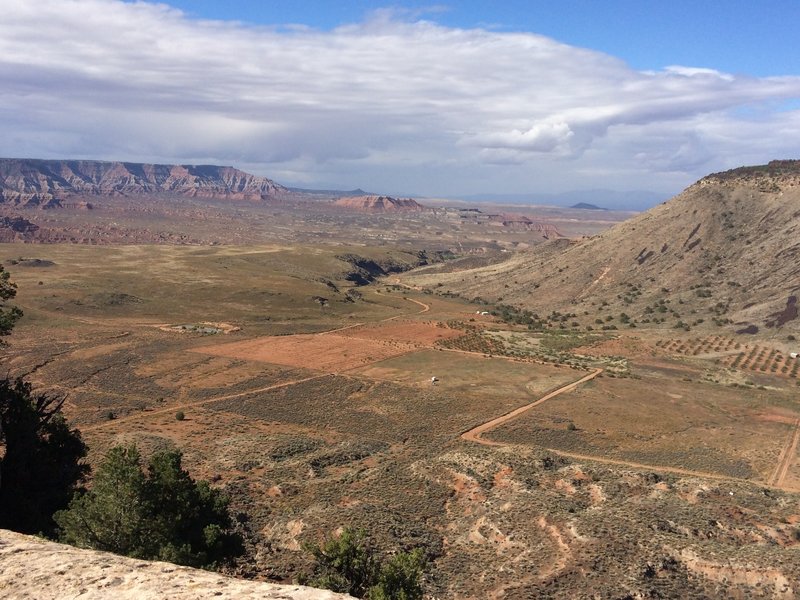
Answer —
723 253
49 182
379 204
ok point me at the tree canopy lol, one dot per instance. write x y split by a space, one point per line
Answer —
9 315
41 466
160 514
40 456
349 564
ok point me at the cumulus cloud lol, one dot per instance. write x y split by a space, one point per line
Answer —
391 103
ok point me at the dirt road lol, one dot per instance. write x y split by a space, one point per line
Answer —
786 457
474 435
595 282
176 407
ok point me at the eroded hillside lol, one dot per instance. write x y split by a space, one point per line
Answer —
725 253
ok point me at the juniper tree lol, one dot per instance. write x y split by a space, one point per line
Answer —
41 465
162 514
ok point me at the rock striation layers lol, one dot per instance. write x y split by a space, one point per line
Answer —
52 183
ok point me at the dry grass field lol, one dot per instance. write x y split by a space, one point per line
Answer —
663 422
667 474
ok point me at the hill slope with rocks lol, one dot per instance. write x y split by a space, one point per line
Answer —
725 252
31 567
51 183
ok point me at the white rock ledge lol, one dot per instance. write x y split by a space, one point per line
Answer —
36 569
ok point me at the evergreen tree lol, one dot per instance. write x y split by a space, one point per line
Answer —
113 515
161 515
349 564
400 577
41 464
9 315
345 564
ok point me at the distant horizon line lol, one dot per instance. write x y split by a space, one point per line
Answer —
621 199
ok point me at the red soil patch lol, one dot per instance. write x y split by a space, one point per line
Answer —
327 352
790 419
422 333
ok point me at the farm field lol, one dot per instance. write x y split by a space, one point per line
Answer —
313 416
747 357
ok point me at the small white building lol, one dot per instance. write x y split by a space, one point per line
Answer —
793 354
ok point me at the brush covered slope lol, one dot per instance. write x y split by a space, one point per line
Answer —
49 183
723 253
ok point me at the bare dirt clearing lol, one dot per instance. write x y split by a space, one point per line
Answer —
342 350
417 333
332 353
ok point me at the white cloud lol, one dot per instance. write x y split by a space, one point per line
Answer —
388 104
540 137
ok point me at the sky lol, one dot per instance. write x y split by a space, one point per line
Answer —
409 98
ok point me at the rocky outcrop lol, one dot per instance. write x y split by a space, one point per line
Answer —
33 568
379 204
15 229
516 221
53 183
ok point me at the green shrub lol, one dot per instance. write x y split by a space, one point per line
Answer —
349 564
40 458
161 515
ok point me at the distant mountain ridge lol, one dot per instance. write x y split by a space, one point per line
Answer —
37 182
373 203
612 199
587 206
331 193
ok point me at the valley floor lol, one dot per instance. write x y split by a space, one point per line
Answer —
526 464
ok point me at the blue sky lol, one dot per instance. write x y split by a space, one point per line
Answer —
735 36
447 99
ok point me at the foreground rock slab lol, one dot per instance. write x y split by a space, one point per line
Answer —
33 568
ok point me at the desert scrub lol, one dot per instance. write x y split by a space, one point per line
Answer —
474 342
293 448
561 342
346 453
